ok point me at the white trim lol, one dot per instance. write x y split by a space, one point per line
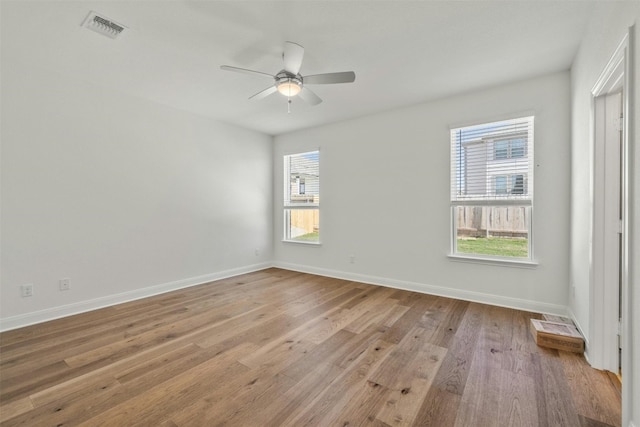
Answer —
573 317
493 118
605 84
493 202
630 364
497 300
604 304
302 242
505 262
27 319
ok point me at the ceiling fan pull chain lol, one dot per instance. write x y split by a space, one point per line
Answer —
289 105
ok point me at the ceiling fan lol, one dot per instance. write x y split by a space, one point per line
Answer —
289 82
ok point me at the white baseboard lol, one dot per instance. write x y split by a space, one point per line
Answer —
573 317
27 319
498 300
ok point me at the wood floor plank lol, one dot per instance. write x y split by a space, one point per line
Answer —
518 407
312 297
352 310
581 378
481 397
337 394
278 356
283 348
439 408
418 308
394 368
445 318
151 363
70 409
289 405
15 386
442 401
125 346
85 403
330 351
246 400
15 408
453 374
411 385
172 394
362 407
553 394
346 356
401 406
489 397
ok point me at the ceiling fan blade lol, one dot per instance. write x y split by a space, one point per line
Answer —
245 71
292 57
264 93
330 78
309 97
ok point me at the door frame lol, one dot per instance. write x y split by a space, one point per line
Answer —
604 300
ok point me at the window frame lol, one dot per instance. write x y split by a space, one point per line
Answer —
491 197
301 184
509 148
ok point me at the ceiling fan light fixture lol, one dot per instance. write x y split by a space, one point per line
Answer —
289 87
289 82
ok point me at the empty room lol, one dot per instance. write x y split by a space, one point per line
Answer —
322 213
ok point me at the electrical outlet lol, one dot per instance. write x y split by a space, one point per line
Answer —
257 252
352 259
65 284
26 290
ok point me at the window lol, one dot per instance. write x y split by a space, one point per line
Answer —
509 184
517 184
492 189
501 150
509 148
302 197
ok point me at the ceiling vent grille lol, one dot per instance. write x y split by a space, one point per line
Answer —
102 25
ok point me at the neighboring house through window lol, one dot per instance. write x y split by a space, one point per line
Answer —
509 148
492 189
302 197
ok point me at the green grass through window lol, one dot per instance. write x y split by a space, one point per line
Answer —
498 246
309 237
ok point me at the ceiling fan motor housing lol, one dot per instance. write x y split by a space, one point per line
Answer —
288 84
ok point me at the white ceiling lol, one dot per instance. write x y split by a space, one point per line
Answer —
403 52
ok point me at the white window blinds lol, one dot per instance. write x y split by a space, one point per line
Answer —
493 162
302 179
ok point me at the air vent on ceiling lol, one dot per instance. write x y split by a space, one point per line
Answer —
102 25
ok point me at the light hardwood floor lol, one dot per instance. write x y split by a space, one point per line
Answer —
280 348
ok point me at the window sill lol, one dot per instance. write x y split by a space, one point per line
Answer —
515 263
301 242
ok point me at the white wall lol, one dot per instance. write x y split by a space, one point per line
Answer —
601 39
123 196
385 198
